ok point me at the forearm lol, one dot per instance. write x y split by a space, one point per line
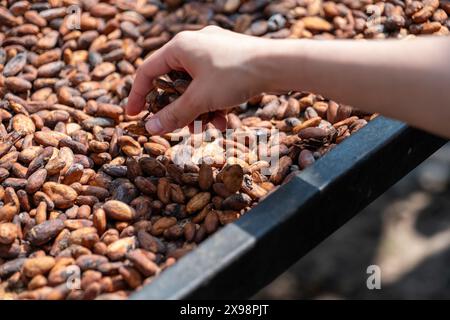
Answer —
407 80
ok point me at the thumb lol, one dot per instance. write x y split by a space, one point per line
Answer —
176 115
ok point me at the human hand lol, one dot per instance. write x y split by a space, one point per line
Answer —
220 64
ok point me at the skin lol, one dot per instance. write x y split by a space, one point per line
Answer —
408 80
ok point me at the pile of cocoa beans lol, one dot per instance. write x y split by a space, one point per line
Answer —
92 209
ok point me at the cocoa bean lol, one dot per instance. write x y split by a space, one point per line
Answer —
232 177
305 159
118 249
150 243
211 222
131 276
38 266
10 267
62 196
44 232
282 170
118 210
8 233
17 84
15 65
90 261
236 201
162 224
142 263
36 180
198 202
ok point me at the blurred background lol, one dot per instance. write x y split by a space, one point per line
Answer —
406 232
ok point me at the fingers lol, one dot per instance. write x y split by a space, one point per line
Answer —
154 66
220 120
177 114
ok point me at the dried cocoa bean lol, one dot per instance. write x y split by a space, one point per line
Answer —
142 263
118 210
8 233
38 266
44 232
62 196
198 202
236 201
118 249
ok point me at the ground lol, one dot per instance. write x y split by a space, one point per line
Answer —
406 232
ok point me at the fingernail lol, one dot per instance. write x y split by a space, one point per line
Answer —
154 126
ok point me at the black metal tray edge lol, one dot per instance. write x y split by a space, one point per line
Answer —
244 256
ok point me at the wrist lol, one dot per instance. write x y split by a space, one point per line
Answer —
279 65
